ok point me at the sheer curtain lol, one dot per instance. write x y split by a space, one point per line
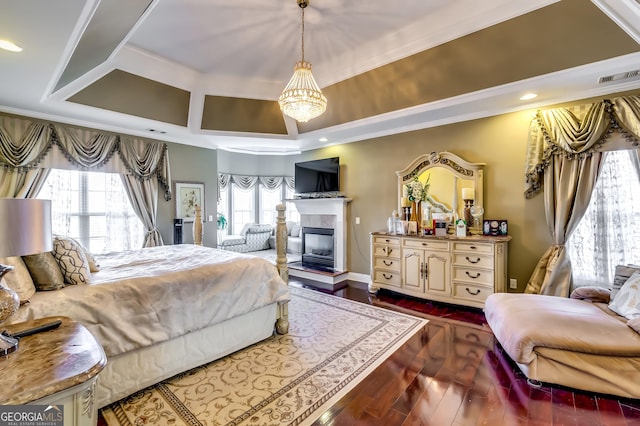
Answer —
609 232
112 223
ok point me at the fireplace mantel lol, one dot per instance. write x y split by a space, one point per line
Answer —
336 207
333 206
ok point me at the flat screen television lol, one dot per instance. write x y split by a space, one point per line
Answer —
317 176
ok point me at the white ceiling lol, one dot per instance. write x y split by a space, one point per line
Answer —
248 49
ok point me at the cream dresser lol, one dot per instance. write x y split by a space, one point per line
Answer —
458 270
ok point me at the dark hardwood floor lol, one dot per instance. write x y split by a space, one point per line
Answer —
455 373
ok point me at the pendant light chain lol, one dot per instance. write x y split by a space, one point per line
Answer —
302 99
303 33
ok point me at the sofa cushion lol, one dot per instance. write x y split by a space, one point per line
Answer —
295 230
627 300
232 240
592 294
622 274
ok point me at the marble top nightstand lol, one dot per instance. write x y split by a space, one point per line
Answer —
58 366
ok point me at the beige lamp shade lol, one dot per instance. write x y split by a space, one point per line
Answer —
25 226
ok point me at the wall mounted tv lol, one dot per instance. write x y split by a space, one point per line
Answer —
317 176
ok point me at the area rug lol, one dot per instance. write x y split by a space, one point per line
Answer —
333 343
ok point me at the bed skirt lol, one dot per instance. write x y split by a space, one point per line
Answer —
132 371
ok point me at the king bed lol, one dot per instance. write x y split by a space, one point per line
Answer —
160 311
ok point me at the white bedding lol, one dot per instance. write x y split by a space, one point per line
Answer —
147 296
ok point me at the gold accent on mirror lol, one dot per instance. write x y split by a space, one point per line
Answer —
450 179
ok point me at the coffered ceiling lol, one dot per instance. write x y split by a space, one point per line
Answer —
208 72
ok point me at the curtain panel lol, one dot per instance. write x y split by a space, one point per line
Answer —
564 158
24 145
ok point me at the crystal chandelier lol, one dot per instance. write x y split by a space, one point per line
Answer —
302 99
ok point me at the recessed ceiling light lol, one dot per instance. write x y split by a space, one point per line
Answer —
323 139
528 96
7 45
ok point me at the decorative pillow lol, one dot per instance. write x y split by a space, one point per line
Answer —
45 271
295 230
72 260
93 265
19 279
592 294
245 228
622 274
627 301
634 324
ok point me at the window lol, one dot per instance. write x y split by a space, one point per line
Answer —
243 210
257 204
94 208
269 199
609 232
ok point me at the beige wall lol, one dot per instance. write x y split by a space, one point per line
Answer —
368 178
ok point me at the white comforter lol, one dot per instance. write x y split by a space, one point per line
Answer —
146 296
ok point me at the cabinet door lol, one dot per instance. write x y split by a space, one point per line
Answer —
412 269
437 273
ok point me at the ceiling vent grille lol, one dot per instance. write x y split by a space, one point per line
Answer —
635 74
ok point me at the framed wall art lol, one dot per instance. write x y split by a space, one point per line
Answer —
188 195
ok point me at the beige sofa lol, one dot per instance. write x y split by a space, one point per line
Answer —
567 341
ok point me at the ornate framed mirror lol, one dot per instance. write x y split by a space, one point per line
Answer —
453 184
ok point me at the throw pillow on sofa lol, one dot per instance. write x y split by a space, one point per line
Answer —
627 300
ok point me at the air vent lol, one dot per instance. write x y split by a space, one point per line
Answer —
162 132
635 74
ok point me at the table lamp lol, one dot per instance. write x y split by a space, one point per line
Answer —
25 228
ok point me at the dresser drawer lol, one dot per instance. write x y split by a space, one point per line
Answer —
473 275
386 251
427 244
472 292
387 263
386 240
387 277
473 260
473 247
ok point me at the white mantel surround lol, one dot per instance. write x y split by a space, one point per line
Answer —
331 207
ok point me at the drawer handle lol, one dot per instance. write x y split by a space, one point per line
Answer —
473 247
387 240
472 353
472 261
425 244
472 336
473 294
387 277
471 276
387 250
387 264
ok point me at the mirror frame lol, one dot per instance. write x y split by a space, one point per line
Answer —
460 168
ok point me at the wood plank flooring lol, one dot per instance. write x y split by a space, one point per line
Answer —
455 373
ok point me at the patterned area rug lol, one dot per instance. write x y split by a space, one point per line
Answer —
333 343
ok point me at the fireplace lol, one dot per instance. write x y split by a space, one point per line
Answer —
317 248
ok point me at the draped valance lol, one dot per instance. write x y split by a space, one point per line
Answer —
248 182
24 144
577 132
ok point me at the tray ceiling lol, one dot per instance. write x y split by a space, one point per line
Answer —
208 72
